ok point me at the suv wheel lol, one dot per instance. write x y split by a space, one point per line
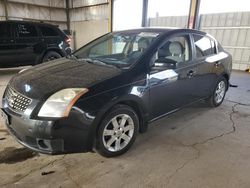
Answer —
117 131
51 55
219 93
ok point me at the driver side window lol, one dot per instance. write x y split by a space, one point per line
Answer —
176 50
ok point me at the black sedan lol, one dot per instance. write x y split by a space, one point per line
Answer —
110 89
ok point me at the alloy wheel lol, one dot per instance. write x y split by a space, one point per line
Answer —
118 132
220 92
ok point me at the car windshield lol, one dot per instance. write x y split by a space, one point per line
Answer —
117 49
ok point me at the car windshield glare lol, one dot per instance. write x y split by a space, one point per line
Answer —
117 49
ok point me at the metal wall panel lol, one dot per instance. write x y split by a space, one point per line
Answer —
50 11
81 3
168 21
51 3
2 13
90 13
232 30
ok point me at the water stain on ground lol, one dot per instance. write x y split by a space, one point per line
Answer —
4 131
11 155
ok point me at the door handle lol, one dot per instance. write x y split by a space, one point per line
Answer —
190 73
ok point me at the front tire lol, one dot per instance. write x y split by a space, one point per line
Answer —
219 93
117 131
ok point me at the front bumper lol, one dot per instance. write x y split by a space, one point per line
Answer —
68 135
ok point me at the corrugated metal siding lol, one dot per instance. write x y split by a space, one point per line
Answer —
51 11
2 14
232 30
88 20
81 3
169 21
90 13
52 3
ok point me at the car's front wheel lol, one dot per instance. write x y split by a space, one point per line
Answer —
219 92
117 131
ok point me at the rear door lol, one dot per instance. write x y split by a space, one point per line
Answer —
27 43
50 37
7 45
204 47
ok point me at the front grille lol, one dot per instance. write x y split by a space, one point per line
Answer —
17 101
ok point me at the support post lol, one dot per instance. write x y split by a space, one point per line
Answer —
110 20
144 13
6 9
193 18
67 15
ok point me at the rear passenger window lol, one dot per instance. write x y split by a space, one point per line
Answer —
5 31
47 31
204 46
26 30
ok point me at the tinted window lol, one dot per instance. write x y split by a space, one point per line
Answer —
5 31
176 49
26 30
47 31
204 46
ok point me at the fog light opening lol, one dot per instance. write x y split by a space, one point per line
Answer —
42 144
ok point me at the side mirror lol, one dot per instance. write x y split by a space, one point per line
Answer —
164 63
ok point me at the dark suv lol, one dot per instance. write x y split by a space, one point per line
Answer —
28 43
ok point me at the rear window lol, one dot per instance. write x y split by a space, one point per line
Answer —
5 31
204 46
26 30
48 31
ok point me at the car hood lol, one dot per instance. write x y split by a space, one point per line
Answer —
43 80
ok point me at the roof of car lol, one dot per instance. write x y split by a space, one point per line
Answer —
29 22
161 30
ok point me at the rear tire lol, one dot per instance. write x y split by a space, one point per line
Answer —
219 93
51 55
117 131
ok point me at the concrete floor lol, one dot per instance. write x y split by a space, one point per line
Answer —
196 147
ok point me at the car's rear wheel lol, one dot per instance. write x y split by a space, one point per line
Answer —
117 131
51 55
219 92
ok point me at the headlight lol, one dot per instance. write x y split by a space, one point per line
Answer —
60 103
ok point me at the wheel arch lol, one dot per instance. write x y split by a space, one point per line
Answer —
133 102
226 76
50 50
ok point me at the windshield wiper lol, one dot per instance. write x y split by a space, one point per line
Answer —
95 61
72 56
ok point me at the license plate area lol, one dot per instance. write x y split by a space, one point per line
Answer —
4 116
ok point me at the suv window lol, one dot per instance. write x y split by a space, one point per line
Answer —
26 30
48 31
176 49
5 31
204 46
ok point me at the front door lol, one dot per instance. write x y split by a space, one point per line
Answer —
173 76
